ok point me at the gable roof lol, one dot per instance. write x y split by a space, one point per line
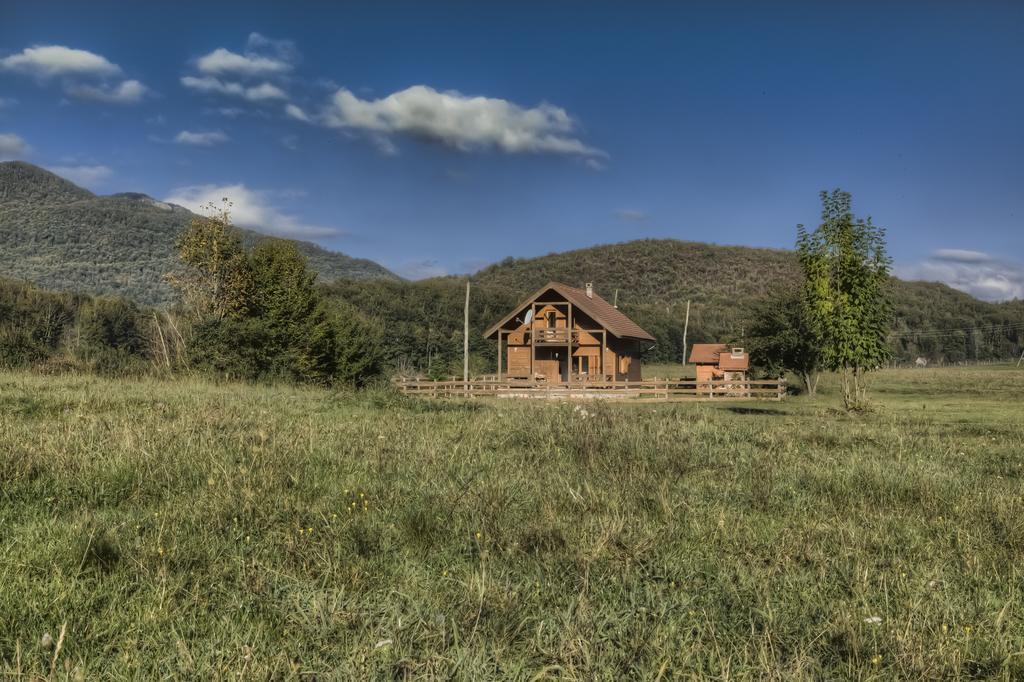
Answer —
602 312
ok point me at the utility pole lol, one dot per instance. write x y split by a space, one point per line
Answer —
686 327
465 343
615 302
1021 359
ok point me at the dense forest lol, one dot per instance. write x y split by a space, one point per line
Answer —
63 237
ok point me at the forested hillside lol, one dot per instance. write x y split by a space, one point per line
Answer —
61 236
64 237
726 285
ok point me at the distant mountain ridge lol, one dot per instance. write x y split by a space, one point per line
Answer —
64 237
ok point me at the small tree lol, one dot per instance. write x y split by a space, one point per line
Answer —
846 274
783 340
217 283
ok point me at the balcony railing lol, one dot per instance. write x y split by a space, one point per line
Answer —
557 335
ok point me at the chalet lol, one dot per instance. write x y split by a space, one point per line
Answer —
719 362
562 334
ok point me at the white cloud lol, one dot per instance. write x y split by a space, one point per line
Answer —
45 61
290 142
128 92
210 85
83 74
265 91
293 111
961 256
251 208
223 61
202 139
87 176
8 102
974 272
12 147
460 121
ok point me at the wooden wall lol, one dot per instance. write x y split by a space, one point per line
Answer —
621 357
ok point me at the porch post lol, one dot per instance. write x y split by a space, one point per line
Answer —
533 339
568 345
499 355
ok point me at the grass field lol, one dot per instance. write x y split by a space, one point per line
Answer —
187 529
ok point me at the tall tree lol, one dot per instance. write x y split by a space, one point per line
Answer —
217 282
846 276
291 307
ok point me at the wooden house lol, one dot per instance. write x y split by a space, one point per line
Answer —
719 362
562 334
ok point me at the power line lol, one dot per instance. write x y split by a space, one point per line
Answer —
1010 326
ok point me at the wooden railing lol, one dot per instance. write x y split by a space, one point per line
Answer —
555 335
655 389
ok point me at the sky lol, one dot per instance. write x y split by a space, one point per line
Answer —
436 138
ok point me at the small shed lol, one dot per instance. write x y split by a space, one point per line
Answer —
719 362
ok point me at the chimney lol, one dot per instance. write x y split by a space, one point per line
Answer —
590 290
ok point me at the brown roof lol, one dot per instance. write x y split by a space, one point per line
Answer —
727 361
707 353
603 312
719 354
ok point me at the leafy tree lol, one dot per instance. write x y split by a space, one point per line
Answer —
109 338
217 283
292 311
784 341
358 341
846 276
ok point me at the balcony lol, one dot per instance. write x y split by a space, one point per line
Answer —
556 336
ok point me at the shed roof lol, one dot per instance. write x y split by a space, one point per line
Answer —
602 312
719 354
707 353
730 362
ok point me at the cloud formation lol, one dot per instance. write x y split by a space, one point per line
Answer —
974 272
251 208
12 147
201 139
128 92
209 85
47 61
223 61
459 121
83 74
87 176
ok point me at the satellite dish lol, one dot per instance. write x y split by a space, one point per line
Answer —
529 316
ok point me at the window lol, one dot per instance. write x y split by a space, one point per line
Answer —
551 319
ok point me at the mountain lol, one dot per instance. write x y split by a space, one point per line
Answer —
63 237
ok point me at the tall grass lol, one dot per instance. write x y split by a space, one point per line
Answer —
187 529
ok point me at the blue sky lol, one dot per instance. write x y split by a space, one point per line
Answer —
436 139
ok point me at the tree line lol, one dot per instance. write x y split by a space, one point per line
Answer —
254 311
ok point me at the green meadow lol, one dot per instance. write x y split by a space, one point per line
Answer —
182 528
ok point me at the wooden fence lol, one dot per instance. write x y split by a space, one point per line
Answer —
653 390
